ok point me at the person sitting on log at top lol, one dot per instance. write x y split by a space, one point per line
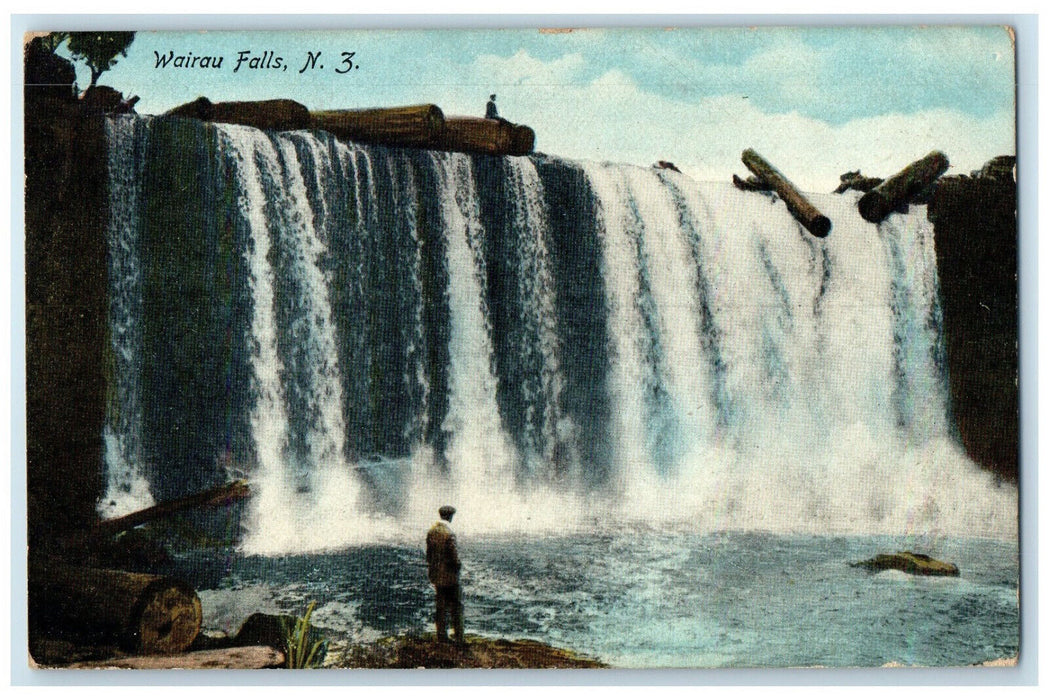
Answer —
490 111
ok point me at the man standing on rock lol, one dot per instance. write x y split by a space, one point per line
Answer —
443 560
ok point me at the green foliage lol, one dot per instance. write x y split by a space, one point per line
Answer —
53 40
99 50
302 650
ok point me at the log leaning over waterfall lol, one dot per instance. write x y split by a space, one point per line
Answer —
802 210
415 125
901 187
276 115
490 136
218 496
142 613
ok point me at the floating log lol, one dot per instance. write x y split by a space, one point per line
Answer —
140 612
901 187
415 125
490 136
273 115
802 210
218 496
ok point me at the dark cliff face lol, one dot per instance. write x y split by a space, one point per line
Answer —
66 299
975 228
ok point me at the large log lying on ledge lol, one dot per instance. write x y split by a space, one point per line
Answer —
415 125
142 613
802 210
278 115
491 136
901 187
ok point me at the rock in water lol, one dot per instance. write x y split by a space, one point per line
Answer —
263 629
911 563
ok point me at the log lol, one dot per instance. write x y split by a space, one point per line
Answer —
523 141
488 136
218 496
141 613
665 165
413 126
802 210
901 187
273 115
751 184
855 181
253 657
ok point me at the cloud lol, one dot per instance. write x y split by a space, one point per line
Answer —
523 69
840 73
612 117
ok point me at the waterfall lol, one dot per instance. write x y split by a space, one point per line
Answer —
367 333
127 488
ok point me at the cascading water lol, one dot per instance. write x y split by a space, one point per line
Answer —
127 490
367 333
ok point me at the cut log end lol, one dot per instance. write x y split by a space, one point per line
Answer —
874 207
139 612
819 226
522 141
170 619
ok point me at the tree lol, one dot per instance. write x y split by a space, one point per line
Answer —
53 40
99 50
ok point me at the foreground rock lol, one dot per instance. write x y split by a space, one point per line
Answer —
479 652
232 658
911 563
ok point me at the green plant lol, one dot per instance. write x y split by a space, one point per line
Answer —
99 50
302 648
53 40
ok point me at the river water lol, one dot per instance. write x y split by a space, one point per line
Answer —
648 599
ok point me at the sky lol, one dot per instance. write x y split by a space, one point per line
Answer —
816 102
